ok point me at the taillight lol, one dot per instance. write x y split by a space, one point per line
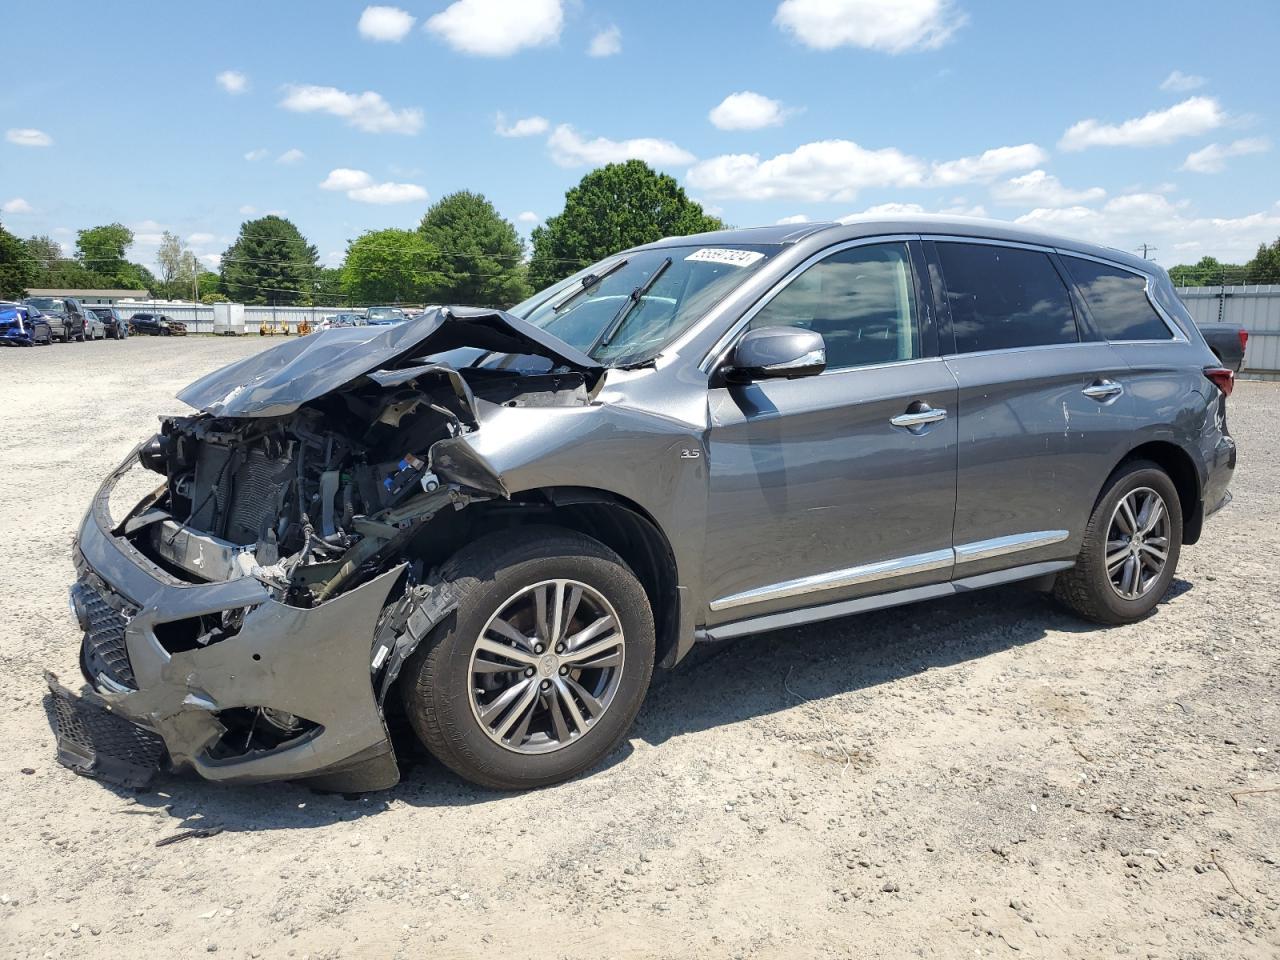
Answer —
1244 339
1222 378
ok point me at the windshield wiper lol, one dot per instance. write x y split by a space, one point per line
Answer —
634 298
587 282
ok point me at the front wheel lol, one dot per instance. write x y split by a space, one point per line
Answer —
1130 550
541 671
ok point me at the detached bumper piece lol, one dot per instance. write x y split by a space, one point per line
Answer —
95 742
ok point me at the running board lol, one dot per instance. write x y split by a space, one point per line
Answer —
897 598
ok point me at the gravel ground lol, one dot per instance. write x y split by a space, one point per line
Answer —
981 776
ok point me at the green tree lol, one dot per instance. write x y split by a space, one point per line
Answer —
16 269
101 250
617 206
1265 265
269 262
326 288
209 283
392 266
1205 272
483 256
46 251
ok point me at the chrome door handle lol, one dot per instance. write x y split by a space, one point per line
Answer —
919 418
1103 390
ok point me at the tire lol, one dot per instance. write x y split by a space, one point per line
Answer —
488 576
1087 588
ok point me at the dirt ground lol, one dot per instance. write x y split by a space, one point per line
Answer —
978 776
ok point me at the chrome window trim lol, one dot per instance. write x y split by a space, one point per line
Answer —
716 355
986 241
1178 335
888 569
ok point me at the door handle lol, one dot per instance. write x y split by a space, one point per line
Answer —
1103 390
919 418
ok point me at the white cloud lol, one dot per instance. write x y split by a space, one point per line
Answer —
818 171
16 205
498 28
291 156
528 217
881 210
606 43
1213 158
344 178
894 26
200 239
359 186
524 127
571 149
989 164
1132 219
247 210
1180 82
383 193
795 218
257 154
1190 118
385 24
1041 189
366 111
28 137
211 260
746 110
232 81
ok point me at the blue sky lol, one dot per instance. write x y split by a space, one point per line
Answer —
1123 122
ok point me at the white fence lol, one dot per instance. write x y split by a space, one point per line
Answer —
199 316
1256 308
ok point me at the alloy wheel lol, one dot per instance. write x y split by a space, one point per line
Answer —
1137 543
546 666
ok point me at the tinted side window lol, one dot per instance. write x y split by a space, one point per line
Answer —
1117 300
1004 297
861 300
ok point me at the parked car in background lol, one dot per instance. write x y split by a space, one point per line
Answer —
94 328
23 325
157 325
113 320
1227 341
65 315
343 320
381 316
503 520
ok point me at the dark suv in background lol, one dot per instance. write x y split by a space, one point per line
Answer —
501 521
113 320
65 316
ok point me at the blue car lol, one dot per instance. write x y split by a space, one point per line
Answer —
23 326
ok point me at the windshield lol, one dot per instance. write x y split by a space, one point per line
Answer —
626 309
386 313
48 304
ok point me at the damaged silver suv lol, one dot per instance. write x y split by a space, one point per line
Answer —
499 522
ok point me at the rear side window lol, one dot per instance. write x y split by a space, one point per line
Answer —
1117 300
1002 298
862 302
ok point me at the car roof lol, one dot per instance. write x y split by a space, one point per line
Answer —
870 225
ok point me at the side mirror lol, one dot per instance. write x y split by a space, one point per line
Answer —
773 352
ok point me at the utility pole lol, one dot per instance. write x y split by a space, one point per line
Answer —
1146 249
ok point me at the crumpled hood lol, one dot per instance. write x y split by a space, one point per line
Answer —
278 380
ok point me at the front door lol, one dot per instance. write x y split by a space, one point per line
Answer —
841 485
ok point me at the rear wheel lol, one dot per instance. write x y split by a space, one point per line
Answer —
541 670
1130 550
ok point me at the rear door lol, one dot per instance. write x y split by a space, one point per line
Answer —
832 487
1043 412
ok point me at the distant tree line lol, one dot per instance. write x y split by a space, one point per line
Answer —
1211 272
463 251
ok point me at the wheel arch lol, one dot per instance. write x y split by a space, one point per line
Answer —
1181 468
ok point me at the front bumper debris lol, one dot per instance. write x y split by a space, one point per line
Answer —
95 742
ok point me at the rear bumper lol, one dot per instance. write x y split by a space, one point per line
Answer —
311 663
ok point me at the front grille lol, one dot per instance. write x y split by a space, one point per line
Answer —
98 743
103 650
